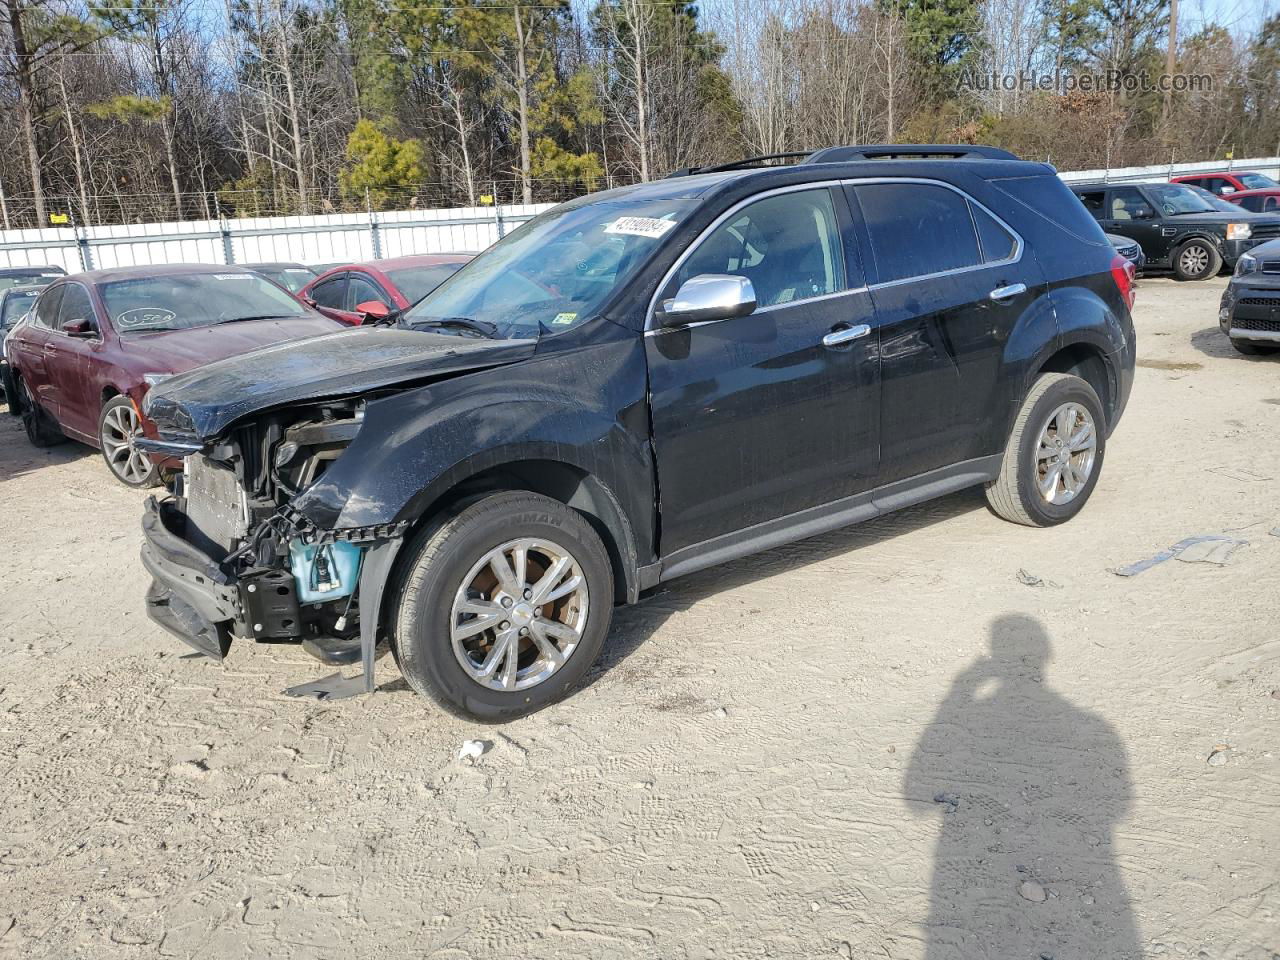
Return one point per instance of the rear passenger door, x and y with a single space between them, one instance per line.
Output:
30 344
949 281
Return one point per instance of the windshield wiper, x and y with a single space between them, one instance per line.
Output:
481 328
262 316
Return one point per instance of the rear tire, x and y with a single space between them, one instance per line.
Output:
40 427
452 585
1196 260
1046 478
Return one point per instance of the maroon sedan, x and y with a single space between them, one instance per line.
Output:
371 291
96 342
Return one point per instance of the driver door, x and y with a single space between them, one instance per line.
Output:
1130 214
754 418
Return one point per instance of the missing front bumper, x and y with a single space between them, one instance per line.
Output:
190 595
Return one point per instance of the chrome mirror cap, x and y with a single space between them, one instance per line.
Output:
709 296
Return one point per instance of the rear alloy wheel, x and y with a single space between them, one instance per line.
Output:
504 607
41 430
1197 260
1054 454
118 429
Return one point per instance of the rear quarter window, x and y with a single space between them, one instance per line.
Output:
1050 199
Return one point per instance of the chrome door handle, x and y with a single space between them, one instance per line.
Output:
845 334
1004 293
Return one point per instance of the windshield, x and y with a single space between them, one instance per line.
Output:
292 279
416 282
1256 181
15 307
184 301
1174 199
556 271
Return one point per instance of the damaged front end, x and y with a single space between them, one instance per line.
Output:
230 557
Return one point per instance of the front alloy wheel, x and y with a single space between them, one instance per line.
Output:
519 614
503 606
118 429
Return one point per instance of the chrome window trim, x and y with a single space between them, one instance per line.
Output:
649 327
1019 246
97 323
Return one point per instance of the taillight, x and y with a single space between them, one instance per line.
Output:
1123 273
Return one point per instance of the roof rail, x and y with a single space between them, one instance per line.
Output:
892 151
738 164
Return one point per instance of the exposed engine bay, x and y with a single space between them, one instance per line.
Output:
232 502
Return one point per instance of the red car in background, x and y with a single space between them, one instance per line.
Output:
1226 183
1265 200
94 343
393 285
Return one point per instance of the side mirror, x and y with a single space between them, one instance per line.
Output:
78 328
309 301
709 296
373 310
1227 189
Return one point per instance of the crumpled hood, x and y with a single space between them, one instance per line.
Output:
201 404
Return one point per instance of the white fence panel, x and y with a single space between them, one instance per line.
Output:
327 238
1165 171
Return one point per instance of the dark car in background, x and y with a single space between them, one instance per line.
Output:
292 276
1131 250
380 287
1178 229
15 303
21 276
1250 309
1225 183
95 343
633 386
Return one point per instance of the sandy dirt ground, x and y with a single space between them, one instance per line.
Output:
936 735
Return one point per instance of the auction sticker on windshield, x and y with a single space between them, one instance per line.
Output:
640 226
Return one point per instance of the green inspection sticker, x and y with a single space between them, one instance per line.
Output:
562 318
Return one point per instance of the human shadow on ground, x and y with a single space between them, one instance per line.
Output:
1027 789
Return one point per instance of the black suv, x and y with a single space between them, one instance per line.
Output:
633 386
1178 227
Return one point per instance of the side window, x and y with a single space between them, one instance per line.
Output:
76 305
1128 204
1094 202
1270 204
997 242
1195 182
789 247
47 307
330 293
361 290
917 229
1216 185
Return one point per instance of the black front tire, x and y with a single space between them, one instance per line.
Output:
1196 260
1014 494
439 560
40 427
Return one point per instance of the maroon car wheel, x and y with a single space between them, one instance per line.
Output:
118 428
